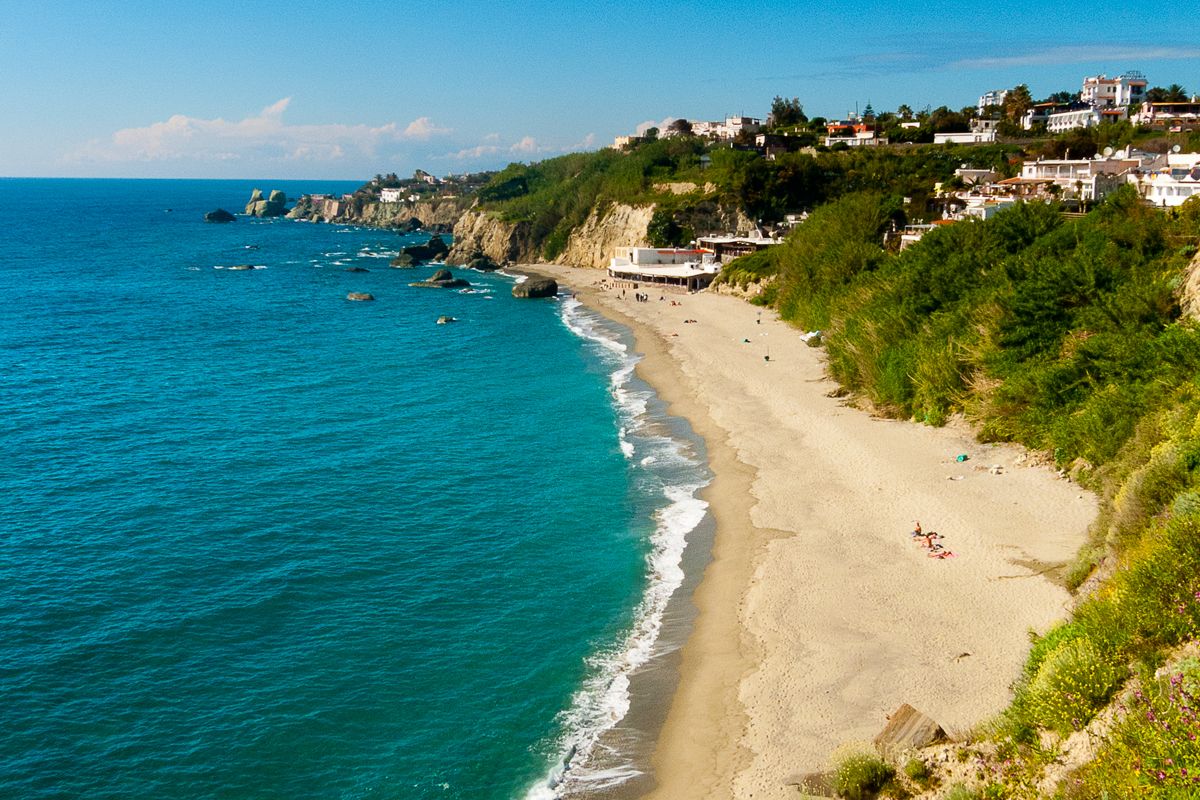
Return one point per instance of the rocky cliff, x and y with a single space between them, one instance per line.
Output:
1189 290
592 243
437 214
484 233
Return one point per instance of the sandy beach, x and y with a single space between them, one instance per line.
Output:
819 615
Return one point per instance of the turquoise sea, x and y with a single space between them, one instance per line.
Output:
257 541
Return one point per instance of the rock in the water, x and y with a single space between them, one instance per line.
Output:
444 320
482 263
220 215
432 250
536 287
241 267
403 261
360 296
442 279
270 207
357 269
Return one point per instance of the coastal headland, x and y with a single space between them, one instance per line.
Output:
819 614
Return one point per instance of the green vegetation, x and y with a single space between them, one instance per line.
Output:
1154 750
861 775
557 195
1066 336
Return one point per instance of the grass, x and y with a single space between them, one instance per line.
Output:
859 776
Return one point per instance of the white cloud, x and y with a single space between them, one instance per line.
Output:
478 151
527 145
1078 54
423 128
641 129
492 145
264 135
586 143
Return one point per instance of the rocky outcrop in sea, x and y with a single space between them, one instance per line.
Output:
442 279
536 287
273 206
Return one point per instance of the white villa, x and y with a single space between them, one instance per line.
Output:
993 98
1170 114
1087 179
1171 181
1064 121
391 195
1100 91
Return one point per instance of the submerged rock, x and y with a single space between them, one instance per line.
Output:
220 215
357 269
403 261
360 297
442 279
241 267
445 320
536 287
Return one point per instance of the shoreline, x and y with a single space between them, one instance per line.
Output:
817 616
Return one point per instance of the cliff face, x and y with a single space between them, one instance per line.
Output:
1189 290
438 214
592 243
480 232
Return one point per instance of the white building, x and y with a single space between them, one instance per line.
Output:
1100 91
735 125
976 176
1169 114
1087 179
983 208
625 142
966 137
690 269
993 98
1063 121
391 195
1171 181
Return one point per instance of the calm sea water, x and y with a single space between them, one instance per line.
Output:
257 541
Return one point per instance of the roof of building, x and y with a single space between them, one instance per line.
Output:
660 271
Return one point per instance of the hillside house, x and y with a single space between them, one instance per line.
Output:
993 98
1100 91
391 195
727 248
1169 115
855 132
1089 117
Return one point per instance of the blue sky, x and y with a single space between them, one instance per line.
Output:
304 89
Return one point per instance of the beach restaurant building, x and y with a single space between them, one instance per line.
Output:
683 268
727 248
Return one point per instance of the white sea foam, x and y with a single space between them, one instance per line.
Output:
604 699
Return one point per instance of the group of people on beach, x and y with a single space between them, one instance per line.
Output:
930 542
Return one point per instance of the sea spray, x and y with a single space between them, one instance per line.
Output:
662 458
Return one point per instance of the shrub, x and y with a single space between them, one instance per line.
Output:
1070 684
961 791
917 770
860 775
1152 751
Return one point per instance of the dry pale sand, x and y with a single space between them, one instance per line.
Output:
819 615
